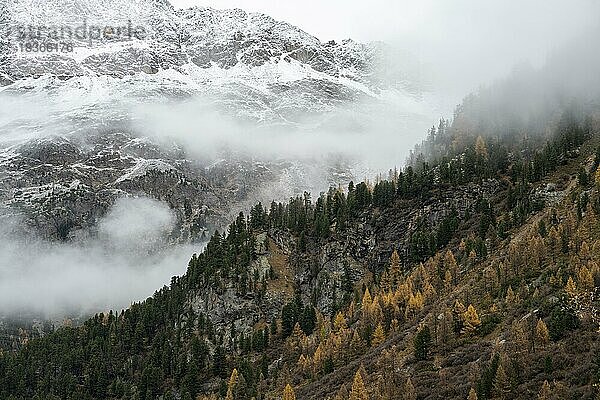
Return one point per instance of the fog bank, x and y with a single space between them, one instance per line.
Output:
105 270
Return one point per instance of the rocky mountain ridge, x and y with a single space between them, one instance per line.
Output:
72 139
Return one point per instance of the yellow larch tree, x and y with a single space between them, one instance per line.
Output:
394 325
296 342
233 381
376 313
395 274
480 147
448 281
357 344
585 279
570 287
319 359
386 282
342 394
536 252
358 392
450 263
415 303
378 336
510 296
462 246
541 333
584 251
429 291
472 257
459 308
288 393
472 394
365 305
545 392
554 239
471 320
339 324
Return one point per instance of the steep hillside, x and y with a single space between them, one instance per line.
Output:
518 322
474 276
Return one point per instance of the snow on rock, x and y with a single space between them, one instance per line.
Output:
142 167
70 141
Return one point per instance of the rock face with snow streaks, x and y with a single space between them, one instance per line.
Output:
71 144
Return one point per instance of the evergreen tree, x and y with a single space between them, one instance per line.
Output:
219 362
501 382
422 342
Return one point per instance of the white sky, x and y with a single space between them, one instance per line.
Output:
479 40
380 19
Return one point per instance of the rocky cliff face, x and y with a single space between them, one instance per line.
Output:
71 144
240 58
360 252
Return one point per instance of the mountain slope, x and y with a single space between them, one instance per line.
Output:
125 115
471 273
425 285
242 59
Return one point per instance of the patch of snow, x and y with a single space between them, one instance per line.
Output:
142 167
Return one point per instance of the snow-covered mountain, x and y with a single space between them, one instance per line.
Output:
70 143
242 59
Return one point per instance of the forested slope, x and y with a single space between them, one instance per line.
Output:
473 272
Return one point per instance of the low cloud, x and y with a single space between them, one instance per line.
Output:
377 135
135 224
107 270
